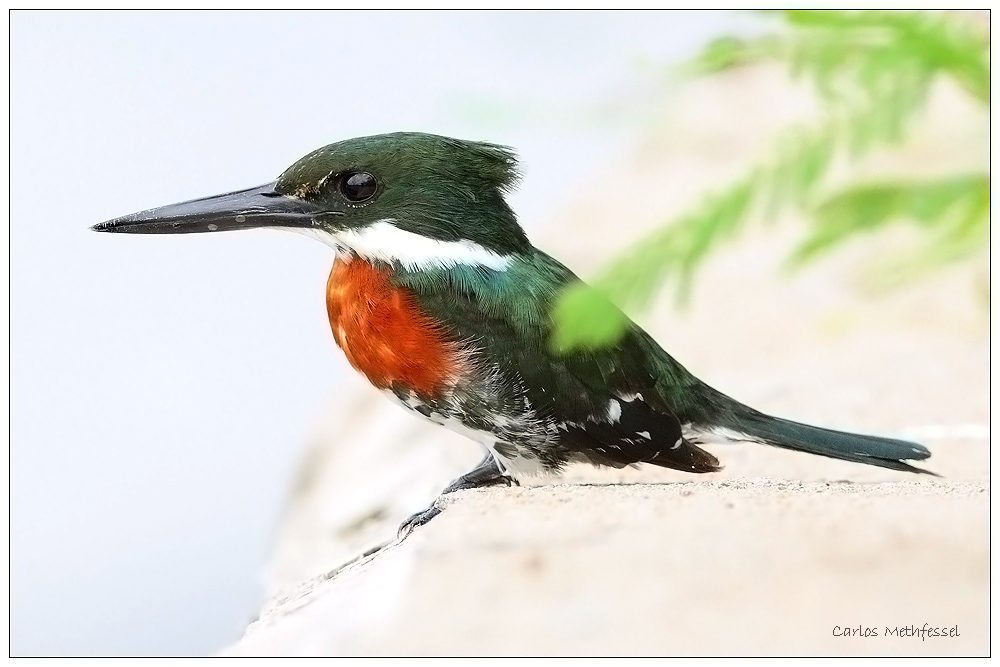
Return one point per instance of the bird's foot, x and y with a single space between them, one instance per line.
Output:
487 473
417 520
460 484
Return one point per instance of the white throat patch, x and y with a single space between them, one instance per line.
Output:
386 242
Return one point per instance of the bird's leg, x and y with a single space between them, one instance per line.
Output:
487 473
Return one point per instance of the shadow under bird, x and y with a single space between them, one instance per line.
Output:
439 299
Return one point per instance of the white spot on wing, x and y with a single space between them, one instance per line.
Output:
717 435
614 411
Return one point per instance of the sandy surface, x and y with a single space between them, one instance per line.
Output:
769 556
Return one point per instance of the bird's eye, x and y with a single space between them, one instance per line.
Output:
358 186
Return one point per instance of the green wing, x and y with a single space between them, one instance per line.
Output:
608 405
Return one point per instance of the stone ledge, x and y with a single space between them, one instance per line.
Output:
742 566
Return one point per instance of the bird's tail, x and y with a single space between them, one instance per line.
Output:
747 423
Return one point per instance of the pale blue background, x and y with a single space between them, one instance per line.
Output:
164 388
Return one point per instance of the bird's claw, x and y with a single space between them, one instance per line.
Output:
417 520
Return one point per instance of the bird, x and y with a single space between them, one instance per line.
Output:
439 299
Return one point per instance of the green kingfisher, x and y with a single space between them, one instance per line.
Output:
438 298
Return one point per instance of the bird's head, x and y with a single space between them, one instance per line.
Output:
408 198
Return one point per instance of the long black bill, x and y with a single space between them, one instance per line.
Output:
244 209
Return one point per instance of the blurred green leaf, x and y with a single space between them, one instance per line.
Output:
721 54
586 319
873 69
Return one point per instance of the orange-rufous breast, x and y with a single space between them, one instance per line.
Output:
385 335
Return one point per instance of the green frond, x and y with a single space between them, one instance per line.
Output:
955 209
873 70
